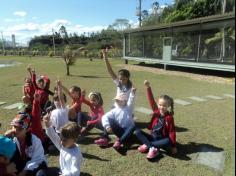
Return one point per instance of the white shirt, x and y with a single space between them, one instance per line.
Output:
121 89
35 152
123 116
59 118
70 158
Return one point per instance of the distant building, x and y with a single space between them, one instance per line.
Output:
13 41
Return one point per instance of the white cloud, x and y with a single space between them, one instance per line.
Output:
25 31
20 13
25 27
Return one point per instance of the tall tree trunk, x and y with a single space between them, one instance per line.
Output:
67 70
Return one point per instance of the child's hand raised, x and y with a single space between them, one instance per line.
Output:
133 90
58 82
29 68
37 96
147 83
46 120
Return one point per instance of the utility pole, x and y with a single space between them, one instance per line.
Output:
223 32
54 50
139 12
3 48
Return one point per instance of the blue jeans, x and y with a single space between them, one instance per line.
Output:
151 140
122 133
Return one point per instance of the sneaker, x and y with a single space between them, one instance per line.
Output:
143 148
117 145
153 152
102 142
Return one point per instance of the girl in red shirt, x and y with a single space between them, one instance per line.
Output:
94 117
162 127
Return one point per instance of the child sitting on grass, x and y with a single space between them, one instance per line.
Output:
7 150
162 127
28 91
75 109
119 120
121 79
29 158
94 117
70 154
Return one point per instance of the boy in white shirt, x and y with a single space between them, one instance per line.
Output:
70 154
119 120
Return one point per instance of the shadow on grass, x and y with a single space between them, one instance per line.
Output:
180 129
89 156
54 171
88 76
186 149
85 174
85 140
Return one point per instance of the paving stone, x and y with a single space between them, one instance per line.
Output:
229 95
144 110
214 97
197 99
13 106
2 103
211 158
182 102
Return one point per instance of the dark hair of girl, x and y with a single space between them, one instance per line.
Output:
124 72
76 89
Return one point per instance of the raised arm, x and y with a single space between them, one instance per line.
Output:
131 100
51 132
108 65
85 101
150 95
60 94
66 90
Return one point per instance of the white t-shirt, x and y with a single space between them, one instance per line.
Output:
59 118
70 158
121 89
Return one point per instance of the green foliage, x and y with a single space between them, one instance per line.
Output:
68 56
50 53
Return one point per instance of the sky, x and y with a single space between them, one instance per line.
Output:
28 18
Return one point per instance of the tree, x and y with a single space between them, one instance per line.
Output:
144 14
64 34
69 58
121 24
155 7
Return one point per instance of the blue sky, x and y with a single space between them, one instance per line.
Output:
27 18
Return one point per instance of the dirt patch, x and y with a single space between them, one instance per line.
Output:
208 78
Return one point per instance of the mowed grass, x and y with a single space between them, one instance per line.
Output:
201 124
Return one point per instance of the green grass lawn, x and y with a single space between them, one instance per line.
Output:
210 123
